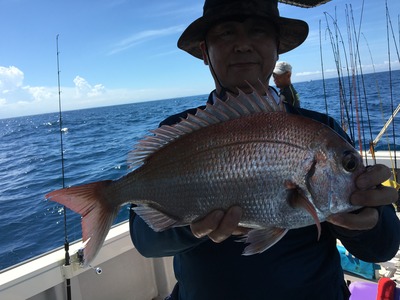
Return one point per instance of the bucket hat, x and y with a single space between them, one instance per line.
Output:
292 32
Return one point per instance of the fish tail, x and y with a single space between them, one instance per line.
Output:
90 201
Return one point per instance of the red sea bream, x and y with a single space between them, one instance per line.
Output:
285 171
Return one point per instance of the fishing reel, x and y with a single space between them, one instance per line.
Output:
81 260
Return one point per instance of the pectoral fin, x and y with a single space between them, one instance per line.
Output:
297 199
260 240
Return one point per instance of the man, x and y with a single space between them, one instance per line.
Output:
240 40
282 77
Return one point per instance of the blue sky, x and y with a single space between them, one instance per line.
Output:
121 51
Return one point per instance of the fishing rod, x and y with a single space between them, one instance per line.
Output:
389 20
353 81
357 76
345 117
392 183
67 265
335 53
322 70
66 243
371 145
385 127
383 131
357 34
389 24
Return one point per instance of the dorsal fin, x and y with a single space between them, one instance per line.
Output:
221 111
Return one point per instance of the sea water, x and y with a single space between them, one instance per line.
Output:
96 143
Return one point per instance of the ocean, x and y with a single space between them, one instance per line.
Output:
97 142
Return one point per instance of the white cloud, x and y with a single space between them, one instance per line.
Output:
144 36
81 84
20 100
11 78
39 93
307 73
17 99
83 88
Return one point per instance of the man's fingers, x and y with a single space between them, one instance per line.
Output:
381 195
374 175
207 225
227 226
217 225
370 190
366 219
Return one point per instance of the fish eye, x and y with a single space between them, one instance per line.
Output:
350 161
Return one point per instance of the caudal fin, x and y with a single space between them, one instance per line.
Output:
97 214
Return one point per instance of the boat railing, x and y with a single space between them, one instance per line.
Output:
118 272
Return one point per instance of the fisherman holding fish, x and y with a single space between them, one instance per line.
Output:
240 41
248 198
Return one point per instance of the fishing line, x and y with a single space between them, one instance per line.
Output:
394 112
390 80
391 29
353 83
345 117
66 243
322 70
336 59
389 22
372 144
358 57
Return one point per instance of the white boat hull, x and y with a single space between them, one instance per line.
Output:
125 274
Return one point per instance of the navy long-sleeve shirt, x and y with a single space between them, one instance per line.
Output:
298 267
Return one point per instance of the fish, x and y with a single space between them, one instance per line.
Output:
285 171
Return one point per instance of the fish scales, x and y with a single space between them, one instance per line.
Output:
283 170
238 162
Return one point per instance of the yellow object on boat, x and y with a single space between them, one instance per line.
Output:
391 183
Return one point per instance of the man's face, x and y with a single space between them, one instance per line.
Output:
282 80
240 52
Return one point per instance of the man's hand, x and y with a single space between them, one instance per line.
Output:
219 225
370 194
